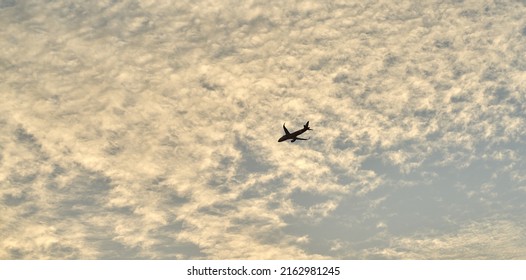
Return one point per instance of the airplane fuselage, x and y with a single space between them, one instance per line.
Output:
292 136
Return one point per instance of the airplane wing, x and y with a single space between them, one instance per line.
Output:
302 138
286 131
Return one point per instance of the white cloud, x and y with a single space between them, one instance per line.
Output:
492 239
124 120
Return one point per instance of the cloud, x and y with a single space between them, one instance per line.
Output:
149 130
491 239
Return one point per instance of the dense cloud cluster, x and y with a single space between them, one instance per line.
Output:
148 129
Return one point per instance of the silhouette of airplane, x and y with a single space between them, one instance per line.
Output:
294 135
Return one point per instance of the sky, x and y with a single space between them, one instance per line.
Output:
148 129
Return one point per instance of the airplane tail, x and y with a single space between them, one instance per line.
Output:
306 126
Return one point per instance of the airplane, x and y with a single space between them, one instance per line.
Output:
294 135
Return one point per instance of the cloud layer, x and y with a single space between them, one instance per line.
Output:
138 129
